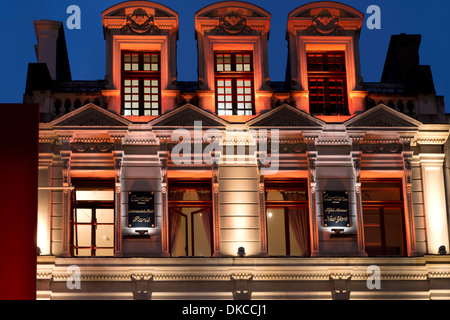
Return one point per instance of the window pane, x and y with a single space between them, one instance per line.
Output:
382 191
84 215
86 195
104 236
84 236
105 215
104 252
83 252
393 224
276 232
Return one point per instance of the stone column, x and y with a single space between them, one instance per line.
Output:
358 203
409 212
314 231
216 210
118 204
262 212
165 250
67 201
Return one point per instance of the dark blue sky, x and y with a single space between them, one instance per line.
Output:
86 47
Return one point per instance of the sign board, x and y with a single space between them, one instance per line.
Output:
141 209
335 209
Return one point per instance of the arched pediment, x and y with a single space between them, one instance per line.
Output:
232 18
336 9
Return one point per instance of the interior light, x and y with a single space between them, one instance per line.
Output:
269 214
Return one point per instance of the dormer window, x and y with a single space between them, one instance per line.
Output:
234 82
327 83
141 83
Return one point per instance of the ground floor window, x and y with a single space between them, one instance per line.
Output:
190 218
92 220
287 219
383 216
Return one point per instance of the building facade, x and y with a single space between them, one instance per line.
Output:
234 186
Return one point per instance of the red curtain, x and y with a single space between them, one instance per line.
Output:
174 223
298 220
207 223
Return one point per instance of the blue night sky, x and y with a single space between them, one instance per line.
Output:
86 47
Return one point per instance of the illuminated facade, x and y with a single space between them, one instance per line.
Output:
152 186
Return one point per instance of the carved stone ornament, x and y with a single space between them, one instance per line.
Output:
325 24
233 23
89 147
140 22
381 148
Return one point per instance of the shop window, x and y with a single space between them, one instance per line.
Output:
92 220
141 83
327 83
383 216
190 219
234 83
287 219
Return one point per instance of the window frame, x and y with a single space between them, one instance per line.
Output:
287 204
327 76
141 75
200 204
234 76
381 205
93 205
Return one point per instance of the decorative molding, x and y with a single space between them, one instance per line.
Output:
140 22
92 147
232 23
325 24
381 148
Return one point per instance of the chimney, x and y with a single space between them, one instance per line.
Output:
51 48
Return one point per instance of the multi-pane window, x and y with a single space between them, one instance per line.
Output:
141 79
190 218
327 83
234 83
287 218
383 217
93 219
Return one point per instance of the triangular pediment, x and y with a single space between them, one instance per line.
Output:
382 116
90 115
285 116
186 116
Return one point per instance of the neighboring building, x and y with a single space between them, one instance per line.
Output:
315 178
